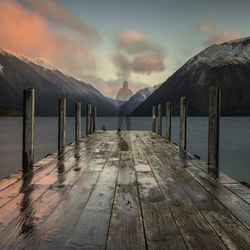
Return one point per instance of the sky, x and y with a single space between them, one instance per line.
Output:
105 42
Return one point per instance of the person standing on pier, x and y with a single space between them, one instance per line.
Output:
123 95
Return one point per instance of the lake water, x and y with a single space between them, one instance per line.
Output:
234 140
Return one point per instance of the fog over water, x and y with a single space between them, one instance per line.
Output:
234 140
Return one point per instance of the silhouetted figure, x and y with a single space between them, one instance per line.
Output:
103 127
123 95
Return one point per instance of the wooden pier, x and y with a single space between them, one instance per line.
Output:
130 191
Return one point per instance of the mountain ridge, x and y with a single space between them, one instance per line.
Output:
226 65
18 73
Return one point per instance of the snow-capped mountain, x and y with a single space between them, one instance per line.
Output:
139 97
18 73
226 65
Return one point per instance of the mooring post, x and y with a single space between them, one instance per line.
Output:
159 120
214 129
91 120
153 120
168 120
78 117
183 124
88 114
62 125
94 118
28 129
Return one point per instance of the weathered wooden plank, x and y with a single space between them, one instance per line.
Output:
229 229
92 227
153 198
240 190
126 228
232 202
12 190
57 229
228 238
34 186
42 207
195 230
175 165
29 215
160 228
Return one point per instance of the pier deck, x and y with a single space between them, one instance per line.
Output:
134 191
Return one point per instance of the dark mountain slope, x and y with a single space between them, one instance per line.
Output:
226 65
18 73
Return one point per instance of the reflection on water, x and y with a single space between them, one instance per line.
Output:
77 156
234 140
61 169
25 225
26 209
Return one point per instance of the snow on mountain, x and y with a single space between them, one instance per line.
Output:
233 52
139 97
1 69
226 65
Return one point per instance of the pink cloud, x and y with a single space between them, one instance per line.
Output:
222 37
57 13
28 33
136 53
148 64
133 42
205 26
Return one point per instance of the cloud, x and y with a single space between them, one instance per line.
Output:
28 33
222 37
205 27
136 54
133 42
148 64
57 13
122 64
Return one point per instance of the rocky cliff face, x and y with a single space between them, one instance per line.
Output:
226 65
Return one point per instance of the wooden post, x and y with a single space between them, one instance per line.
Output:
153 120
94 118
214 127
62 125
168 120
183 123
28 130
159 120
88 113
91 119
78 116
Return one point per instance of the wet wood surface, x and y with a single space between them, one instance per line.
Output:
132 190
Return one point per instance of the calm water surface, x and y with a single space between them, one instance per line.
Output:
234 140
